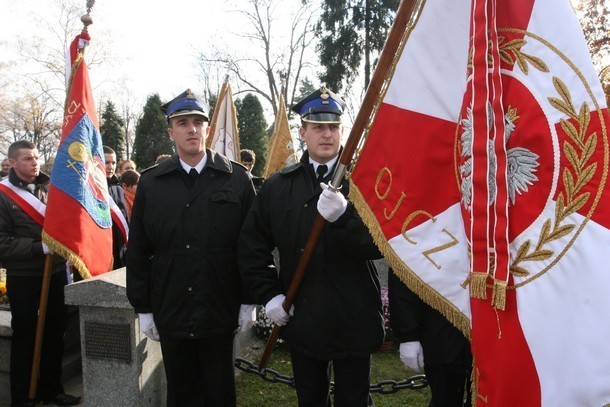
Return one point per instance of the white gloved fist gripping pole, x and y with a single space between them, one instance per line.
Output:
275 311
332 204
148 327
247 316
412 355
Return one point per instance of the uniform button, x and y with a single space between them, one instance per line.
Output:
188 246
302 249
306 205
190 288
187 205
191 334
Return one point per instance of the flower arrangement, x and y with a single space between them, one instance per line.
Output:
263 325
3 296
385 306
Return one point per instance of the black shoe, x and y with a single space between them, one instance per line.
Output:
63 399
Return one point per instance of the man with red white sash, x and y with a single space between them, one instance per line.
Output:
23 196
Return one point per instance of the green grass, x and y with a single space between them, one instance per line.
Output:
253 391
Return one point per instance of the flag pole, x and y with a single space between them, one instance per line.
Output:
378 81
42 315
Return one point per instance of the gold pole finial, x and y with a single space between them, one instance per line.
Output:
86 19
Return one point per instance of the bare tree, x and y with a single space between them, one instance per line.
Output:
594 16
275 58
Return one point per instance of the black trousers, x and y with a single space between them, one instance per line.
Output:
450 386
312 381
24 295
200 372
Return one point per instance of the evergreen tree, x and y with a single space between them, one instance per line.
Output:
252 127
112 131
350 30
151 134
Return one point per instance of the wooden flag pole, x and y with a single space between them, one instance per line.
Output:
386 59
42 315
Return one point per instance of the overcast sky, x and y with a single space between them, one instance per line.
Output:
154 42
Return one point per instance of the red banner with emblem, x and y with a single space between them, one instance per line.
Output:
78 223
483 179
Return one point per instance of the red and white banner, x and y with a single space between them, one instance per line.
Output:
484 180
224 137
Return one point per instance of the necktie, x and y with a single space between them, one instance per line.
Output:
321 171
193 174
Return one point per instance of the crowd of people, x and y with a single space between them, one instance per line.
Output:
204 234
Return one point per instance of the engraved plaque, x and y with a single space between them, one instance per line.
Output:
108 341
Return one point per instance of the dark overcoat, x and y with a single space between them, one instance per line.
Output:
338 307
181 257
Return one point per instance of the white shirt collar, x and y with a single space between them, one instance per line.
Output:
198 167
329 164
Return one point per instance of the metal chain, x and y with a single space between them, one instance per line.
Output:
383 387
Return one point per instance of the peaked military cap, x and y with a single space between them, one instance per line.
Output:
186 103
322 106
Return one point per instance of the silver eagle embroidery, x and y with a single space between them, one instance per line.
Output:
522 163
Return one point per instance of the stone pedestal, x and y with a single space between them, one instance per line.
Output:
120 365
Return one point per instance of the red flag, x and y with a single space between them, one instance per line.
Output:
78 223
484 179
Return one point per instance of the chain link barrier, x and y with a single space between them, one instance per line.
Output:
383 387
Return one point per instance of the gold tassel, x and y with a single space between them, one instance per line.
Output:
478 285
498 298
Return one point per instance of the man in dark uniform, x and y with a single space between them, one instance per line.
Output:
22 252
182 275
429 342
118 196
337 314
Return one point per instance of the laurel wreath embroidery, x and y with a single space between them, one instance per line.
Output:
574 178
511 53
578 156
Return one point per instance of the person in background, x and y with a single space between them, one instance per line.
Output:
129 182
125 165
22 252
117 193
162 158
182 275
429 342
5 168
336 321
248 159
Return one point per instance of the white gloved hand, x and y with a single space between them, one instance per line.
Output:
331 205
247 316
275 312
45 248
148 327
412 355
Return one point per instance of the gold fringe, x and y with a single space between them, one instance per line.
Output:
428 294
67 254
478 285
498 297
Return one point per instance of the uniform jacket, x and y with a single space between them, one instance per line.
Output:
181 259
20 236
118 242
338 307
413 320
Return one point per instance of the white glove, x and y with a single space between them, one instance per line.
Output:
412 355
331 205
45 248
247 316
148 327
275 312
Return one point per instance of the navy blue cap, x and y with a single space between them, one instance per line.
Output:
322 106
185 103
